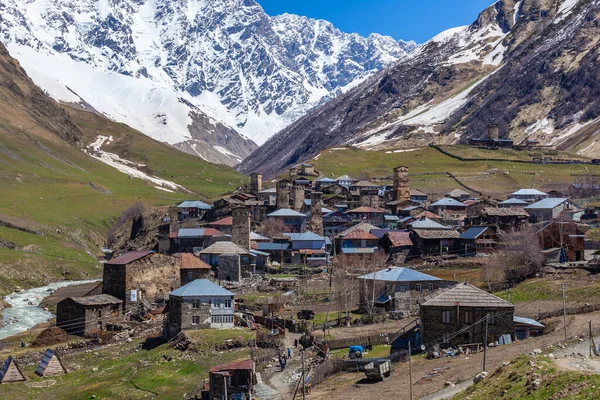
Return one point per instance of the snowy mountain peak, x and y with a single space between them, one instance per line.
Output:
224 59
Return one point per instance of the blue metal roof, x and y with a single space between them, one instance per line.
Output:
473 232
326 180
379 232
194 204
527 321
286 212
258 252
448 202
546 204
304 236
358 250
272 246
406 219
528 192
201 287
190 233
399 274
411 208
513 200
327 240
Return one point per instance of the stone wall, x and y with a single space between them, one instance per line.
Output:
255 183
434 330
315 224
283 194
369 198
297 197
230 268
401 184
240 230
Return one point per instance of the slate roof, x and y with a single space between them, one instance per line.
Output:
411 208
466 296
458 193
190 261
399 239
528 192
359 234
505 212
224 248
448 202
546 204
363 226
437 233
194 204
473 232
201 287
97 300
128 258
227 221
513 201
191 233
286 212
303 236
365 184
399 274
426 223
366 210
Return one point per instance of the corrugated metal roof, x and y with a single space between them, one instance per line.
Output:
365 184
97 300
258 252
513 201
426 223
448 202
190 233
326 180
256 236
528 192
473 232
527 321
286 212
358 250
128 258
243 365
227 221
505 212
399 239
194 204
391 218
272 246
399 274
363 226
303 236
458 193
224 248
546 204
466 295
428 214
201 287
379 232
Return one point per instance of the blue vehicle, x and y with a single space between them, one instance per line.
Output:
355 352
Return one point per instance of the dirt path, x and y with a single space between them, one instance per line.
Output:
348 386
276 384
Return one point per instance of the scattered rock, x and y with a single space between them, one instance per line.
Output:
480 376
531 363
536 351
95 369
448 384
506 363
551 355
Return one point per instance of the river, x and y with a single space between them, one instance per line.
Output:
25 312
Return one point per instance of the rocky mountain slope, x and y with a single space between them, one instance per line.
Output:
209 76
530 66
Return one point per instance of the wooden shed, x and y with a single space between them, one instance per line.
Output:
51 365
10 371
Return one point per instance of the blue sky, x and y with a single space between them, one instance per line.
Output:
417 20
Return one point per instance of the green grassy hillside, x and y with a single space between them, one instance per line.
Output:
429 167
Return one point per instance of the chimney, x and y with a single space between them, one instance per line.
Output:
283 194
240 230
401 184
255 183
316 216
297 197
493 132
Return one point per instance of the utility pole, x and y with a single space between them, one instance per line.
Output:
591 338
509 295
487 318
303 379
225 385
410 370
564 311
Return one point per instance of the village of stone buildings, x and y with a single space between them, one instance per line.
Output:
335 275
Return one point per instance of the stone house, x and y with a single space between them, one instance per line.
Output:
398 289
192 209
224 224
465 307
87 316
335 222
200 304
505 218
345 180
369 215
474 207
552 208
397 244
306 240
417 196
335 189
192 268
458 194
192 240
449 209
294 221
478 239
324 182
216 255
236 380
140 277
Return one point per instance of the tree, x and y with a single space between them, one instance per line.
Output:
273 227
133 213
520 254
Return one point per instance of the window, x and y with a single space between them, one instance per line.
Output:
492 317
196 303
227 303
418 287
195 320
445 317
213 304
430 287
468 317
402 289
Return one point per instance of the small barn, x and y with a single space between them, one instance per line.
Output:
50 365
87 315
236 380
527 327
10 371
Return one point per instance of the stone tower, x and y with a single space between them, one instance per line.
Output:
315 223
297 197
255 183
283 194
369 198
240 230
401 184
493 132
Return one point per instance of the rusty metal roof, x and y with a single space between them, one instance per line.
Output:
190 261
245 364
128 258
399 238
227 221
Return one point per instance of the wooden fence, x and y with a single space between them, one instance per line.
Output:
372 340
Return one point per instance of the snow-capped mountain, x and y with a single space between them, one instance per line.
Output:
530 66
193 73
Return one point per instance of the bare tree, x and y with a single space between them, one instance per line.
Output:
520 254
273 227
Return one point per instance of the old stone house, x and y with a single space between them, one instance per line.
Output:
200 304
192 209
235 380
359 242
397 289
449 209
140 277
431 238
228 259
464 308
369 215
459 195
192 268
87 316
224 224
529 195
293 221
397 244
